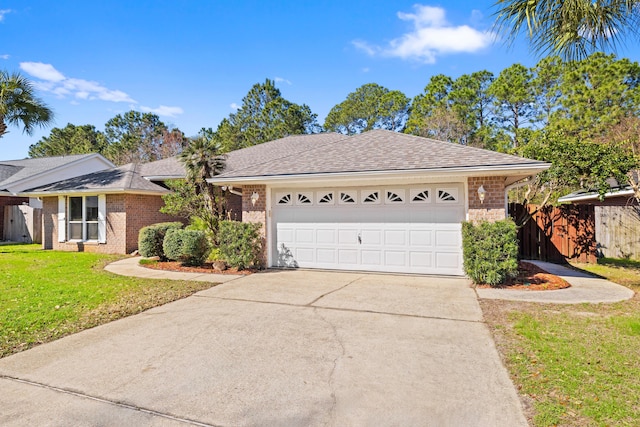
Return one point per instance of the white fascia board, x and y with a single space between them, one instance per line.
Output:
17 186
594 196
92 191
163 177
364 177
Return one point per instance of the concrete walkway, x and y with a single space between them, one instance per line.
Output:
131 267
585 288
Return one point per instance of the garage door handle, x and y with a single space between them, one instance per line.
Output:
359 238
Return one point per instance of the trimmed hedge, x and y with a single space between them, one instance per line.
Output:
240 244
150 239
191 247
490 251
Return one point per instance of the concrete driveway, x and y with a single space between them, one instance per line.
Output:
281 348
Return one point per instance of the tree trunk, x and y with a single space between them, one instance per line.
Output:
3 127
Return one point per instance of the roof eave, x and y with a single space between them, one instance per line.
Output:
93 191
593 196
503 170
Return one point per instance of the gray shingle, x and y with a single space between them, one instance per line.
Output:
376 150
123 178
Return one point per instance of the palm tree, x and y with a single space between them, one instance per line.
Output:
571 29
202 160
19 106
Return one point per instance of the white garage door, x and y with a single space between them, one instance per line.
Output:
412 229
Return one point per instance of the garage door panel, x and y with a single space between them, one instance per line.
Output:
448 238
395 237
348 256
371 236
447 260
347 236
326 236
408 237
395 258
421 238
305 255
326 256
421 259
304 235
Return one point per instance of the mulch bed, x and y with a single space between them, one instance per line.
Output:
532 278
207 267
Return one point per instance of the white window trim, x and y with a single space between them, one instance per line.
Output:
64 224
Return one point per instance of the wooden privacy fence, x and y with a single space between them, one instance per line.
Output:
22 223
618 231
557 234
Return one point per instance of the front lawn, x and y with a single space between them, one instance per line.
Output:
45 295
574 365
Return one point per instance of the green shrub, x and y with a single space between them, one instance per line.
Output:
190 247
150 238
240 244
490 251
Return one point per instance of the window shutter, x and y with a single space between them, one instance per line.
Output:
102 218
62 219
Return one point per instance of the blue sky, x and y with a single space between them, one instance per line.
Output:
191 62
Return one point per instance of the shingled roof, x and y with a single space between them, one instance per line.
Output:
123 179
373 151
12 171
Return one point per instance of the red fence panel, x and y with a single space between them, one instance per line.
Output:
557 234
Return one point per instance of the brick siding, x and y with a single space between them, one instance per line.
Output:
256 214
9 201
493 208
126 215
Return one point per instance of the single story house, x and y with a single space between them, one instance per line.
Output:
377 201
16 176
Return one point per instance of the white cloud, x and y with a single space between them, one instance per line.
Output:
5 56
42 71
281 80
163 110
3 12
234 106
431 36
57 83
366 70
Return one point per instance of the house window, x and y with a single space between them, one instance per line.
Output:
83 218
325 198
419 195
347 197
304 199
284 198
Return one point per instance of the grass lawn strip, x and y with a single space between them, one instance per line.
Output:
574 365
45 295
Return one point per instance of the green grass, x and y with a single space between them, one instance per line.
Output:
577 365
45 295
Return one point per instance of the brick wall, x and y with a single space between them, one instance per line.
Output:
493 208
256 214
126 215
142 210
9 201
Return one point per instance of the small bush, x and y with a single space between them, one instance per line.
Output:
240 244
150 239
490 251
190 247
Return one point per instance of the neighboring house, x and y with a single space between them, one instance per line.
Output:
100 212
19 175
378 201
616 220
